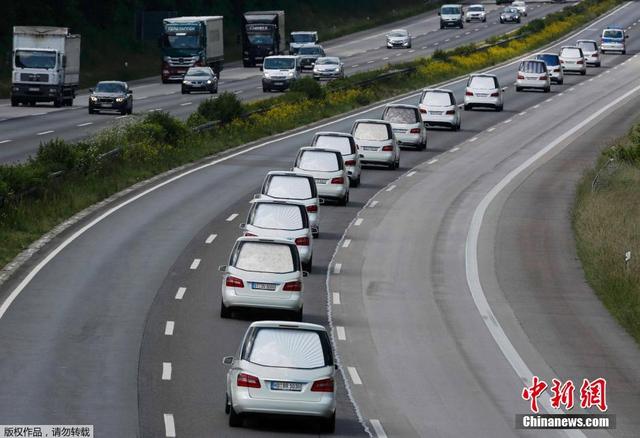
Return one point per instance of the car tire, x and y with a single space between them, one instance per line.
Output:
227 405
124 111
265 89
518 89
467 107
58 102
423 145
561 81
14 101
624 52
315 234
499 108
519 21
328 424
235 419
225 312
355 182
547 90
130 110
582 73
92 111
344 201
308 266
501 21
297 315
456 127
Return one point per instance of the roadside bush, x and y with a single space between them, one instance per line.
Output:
174 130
196 119
56 155
144 132
225 108
310 87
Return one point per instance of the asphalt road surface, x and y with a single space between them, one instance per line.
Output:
98 312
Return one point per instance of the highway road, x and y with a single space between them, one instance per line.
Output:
23 128
97 313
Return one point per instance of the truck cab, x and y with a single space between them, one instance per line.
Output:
262 35
301 38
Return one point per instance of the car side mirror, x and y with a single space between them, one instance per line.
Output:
305 274
262 68
321 201
90 90
438 13
242 226
256 196
129 91
227 360
222 268
361 155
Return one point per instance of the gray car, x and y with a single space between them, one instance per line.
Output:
329 67
308 55
510 15
200 79
111 96
399 39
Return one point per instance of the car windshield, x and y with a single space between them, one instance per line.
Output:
197 72
289 348
335 142
289 187
35 59
398 33
279 63
612 34
437 98
328 61
303 38
400 115
476 8
550 60
181 41
450 11
260 39
109 87
371 131
276 216
318 161
275 258
310 51
483 83
532 67
571 52
510 11
588 46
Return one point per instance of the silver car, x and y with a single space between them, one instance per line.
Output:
533 73
262 273
483 90
346 144
291 186
327 168
439 108
521 6
554 67
328 67
591 52
377 143
282 220
475 13
399 39
406 124
285 369
572 60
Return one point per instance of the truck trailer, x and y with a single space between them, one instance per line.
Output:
263 35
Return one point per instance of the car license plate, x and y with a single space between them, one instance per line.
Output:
263 286
34 88
278 83
402 131
436 113
369 148
286 386
321 180
106 105
481 95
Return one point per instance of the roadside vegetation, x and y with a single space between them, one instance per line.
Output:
64 178
606 221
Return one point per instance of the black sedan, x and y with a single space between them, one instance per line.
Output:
111 96
200 79
510 15
309 54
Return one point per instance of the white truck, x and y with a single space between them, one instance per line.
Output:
46 65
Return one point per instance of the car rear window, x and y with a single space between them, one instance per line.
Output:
371 131
400 115
476 8
264 257
318 161
483 83
290 348
612 34
588 46
437 98
289 187
550 60
532 67
276 216
571 52
335 142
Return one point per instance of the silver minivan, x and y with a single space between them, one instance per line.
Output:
438 107
377 143
327 168
406 124
346 144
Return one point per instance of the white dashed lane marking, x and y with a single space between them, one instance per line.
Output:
355 377
211 238
336 298
195 264
84 124
168 328
232 217
391 187
337 268
180 293
346 243
358 222
433 161
169 426
45 132
373 204
166 370
377 428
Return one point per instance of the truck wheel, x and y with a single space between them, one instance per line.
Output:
58 102
14 101
92 111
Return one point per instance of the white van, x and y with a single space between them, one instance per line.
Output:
280 72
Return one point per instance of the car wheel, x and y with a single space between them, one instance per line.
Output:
315 234
58 103
467 107
225 312
547 89
184 91
423 145
561 81
14 101
227 405
308 266
92 111
518 89
501 21
624 52
499 108
344 201
582 73
355 182
265 89
297 315
329 424
519 20
130 111
235 419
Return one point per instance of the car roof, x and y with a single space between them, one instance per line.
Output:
476 5
282 56
402 105
286 173
113 82
333 134
311 148
546 54
457 5
437 90
377 121
265 240
399 30
586 41
329 57
288 325
300 32
532 60
283 201
482 75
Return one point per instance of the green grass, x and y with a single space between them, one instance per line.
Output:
606 223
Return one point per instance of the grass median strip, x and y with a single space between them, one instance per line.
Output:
607 229
64 178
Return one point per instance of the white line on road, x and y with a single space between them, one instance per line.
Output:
447 40
195 264
142 98
399 54
471 140
38 114
337 268
522 113
377 428
435 44
239 91
168 328
549 99
45 132
355 377
493 128
467 33
456 149
122 117
232 217
336 298
536 106
385 58
346 243
561 94
424 47
413 172
166 370
358 222
457 36
169 426
211 238
590 80
370 62
507 121
411 51
355 66
4 141
572 88
391 187
189 103
180 293
342 335
435 160
373 204
84 124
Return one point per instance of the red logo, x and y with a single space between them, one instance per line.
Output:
533 392
592 393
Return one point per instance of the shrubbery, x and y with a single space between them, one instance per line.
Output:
225 108
309 87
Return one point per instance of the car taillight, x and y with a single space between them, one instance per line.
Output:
338 180
302 241
451 112
468 93
495 94
292 286
580 61
415 131
247 234
248 381
234 282
423 110
520 76
324 385
313 208
387 148
561 61
543 78
350 163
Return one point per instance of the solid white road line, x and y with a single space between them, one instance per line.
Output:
374 203
195 264
337 268
4 141
84 124
370 62
377 428
471 140
507 121
169 426
211 238
346 243
232 217
456 149
122 117
342 335
493 128
168 328
355 377
186 103
180 293
391 187
45 132
355 66
358 222
433 161
522 113
410 174
336 298
166 370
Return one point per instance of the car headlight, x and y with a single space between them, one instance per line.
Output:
267 75
186 82
166 59
270 52
93 99
120 99
289 74
209 81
